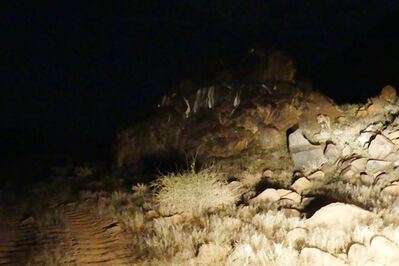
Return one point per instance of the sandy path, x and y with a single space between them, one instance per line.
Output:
82 239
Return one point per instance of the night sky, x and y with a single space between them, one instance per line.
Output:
74 75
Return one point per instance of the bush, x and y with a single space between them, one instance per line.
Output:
191 191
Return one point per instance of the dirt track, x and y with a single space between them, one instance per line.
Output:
81 239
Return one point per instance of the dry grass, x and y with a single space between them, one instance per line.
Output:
194 192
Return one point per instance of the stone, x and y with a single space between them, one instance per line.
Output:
359 254
346 151
283 192
384 251
270 195
338 215
393 157
301 185
367 179
392 190
354 170
332 153
359 165
293 196
393 135
366 135
378 165
318 175
388 93
305 155
314 256
380 147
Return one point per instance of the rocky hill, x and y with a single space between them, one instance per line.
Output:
272 173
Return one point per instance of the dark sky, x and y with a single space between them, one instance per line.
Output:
75 74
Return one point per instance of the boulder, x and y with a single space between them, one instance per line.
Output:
355 168
381 147
358 254
367 179
384 251
338 215
366 135
283 192
301 185
305 155
332 153
393 135
314 256
346 151
270 195
318 175
292 197
392 190
378 165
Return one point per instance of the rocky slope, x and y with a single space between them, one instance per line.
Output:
279 175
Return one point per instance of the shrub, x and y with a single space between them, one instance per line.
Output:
191 191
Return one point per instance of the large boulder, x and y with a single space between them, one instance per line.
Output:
338 215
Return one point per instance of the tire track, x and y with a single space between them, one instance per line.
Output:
96 241
82 239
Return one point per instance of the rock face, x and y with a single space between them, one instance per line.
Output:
305 155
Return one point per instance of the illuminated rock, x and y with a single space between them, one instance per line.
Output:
353 171
305 155
366 135
359 254
314 256
380 147
301 185
384 251
292 197
270 195
367 179
338 215
332 153
318 175
346 151
392 190
378 165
